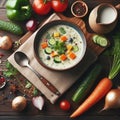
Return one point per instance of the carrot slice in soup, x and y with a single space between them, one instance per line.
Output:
63 38
44 45
72 55
63 57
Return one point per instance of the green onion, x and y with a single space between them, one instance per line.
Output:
115 69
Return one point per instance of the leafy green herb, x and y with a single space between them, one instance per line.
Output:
28 85
62 30
60 47
115 69
11 71
48 36
35 92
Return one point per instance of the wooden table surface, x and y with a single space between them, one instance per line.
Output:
53 112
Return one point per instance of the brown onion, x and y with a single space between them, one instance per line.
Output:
5 43
19 103
112 99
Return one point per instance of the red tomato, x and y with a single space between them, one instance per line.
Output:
65 105
41 7
59 5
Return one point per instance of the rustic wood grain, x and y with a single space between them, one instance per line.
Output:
2 3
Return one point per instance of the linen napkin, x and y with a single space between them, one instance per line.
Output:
62 80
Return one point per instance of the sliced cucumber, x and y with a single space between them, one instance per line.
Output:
75 48
57 59
48 50
52 41
102 41
95 38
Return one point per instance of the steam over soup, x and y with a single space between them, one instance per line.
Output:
61 47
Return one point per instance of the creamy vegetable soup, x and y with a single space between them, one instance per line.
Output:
61 47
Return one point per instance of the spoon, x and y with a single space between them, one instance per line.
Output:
22 60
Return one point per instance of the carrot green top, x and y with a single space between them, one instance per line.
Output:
115 69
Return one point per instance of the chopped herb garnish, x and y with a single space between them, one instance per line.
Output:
11 71
62 30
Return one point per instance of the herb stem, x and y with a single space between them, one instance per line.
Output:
115 69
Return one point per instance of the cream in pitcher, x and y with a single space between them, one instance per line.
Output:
103 18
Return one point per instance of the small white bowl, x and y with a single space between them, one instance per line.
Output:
79 9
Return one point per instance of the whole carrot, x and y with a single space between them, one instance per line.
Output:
98 93
105 84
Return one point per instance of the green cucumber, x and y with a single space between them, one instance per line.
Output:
101 41
52 41
75 48
11 27
57 59
48 50
95 38
87 84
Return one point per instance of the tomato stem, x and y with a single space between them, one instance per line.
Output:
62 1
45 1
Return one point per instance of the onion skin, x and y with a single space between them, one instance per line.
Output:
112 99
19 103
5 43
31 25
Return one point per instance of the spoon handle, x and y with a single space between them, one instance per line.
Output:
51 87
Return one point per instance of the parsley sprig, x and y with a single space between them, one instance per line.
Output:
11 71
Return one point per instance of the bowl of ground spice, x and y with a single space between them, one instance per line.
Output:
79 9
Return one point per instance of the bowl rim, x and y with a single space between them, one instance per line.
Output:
79 1
57 22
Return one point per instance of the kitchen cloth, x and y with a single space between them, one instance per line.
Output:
62 80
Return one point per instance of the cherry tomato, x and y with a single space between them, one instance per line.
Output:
59 5
41 7
65 105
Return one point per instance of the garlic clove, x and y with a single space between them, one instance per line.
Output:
38 102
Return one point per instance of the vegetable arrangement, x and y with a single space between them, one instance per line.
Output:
59 47
87 84
105 84
20 10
